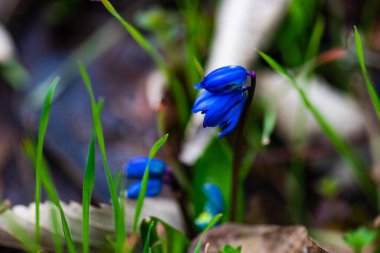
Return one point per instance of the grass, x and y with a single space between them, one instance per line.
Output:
144 181
45 115
371 89
88 184
355 163
96 109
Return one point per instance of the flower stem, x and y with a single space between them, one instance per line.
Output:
239 148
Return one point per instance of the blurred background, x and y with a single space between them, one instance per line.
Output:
293 174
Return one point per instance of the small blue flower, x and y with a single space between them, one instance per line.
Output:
224 97
136 167
135 170
213 206
154 188
224 80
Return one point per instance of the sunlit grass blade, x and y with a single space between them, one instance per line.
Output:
209 226
16 230
58 247
371 89
53 196
198 67
45 115
269 124
147 240
47 182
88 184
96 109
144 181
344 149
174 84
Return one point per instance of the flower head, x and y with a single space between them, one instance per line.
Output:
135 170
224 97
224 80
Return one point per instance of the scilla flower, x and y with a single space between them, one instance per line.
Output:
224 97
214 205
135 170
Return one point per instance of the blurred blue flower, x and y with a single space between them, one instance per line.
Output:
135 170
214 205
136 167
154 188
224 80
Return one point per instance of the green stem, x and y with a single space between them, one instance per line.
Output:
238 149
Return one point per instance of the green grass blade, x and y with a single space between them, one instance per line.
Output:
48 185
371 90
344 149
96 109
88 184
53 196
315 40
147 240
210 225
144 181
58 247
198 67
174 84
269 124
45 115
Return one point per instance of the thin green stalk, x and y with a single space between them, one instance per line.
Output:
371 89
45 115
238 148
96 109
174 84
355 163
88 184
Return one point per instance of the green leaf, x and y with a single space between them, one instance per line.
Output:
147 240
209 226
96 109
45 115
371 90
355 163
88 184
173 240
229 249
359 238
144 181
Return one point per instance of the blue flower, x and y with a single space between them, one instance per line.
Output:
224 80
136 167
135 170
224 97
213 206
154 188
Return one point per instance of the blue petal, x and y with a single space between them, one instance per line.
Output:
225 79
154 188
214 202
232 119
204 101
221 108
136 167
